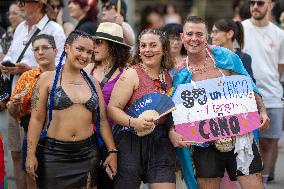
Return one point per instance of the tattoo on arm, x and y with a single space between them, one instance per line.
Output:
35 97
29 146
259 103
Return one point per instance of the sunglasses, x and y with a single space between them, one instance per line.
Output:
108 6
98 42
258 3
56 6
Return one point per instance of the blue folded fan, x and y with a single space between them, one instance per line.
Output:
154 104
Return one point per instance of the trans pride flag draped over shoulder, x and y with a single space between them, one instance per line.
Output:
224 59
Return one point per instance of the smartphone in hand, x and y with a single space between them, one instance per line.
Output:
8 64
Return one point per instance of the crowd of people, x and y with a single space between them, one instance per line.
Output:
66 91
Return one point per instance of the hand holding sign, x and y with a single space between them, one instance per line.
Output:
265 121
177 139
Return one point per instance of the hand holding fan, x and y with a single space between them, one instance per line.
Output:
151 105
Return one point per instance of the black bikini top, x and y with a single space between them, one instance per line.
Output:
62 101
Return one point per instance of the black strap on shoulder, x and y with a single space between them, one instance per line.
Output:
108 76
28 43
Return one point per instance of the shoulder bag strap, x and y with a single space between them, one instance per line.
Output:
28 43
108 76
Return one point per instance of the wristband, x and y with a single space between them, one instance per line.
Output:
112 151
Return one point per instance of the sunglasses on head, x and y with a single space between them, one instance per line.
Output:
258 3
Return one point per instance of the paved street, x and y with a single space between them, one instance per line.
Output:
277 184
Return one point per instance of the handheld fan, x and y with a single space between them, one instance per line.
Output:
152 104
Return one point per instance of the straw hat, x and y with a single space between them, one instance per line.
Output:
111 32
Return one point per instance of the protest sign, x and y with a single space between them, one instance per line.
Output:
215 108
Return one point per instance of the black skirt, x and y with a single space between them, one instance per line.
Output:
63 165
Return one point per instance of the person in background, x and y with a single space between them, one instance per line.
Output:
15 18
110 14
62 148
264 42
151 18
149 158
111 58
56 14
35 16
278 14
224 33
236 6
86 12
19 105
176 47
171 15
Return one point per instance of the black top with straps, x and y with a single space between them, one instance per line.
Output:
62 101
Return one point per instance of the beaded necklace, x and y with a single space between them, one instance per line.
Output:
203 68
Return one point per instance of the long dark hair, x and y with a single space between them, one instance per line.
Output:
174 30
120 54
167 59
227 25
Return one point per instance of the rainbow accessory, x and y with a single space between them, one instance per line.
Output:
224 59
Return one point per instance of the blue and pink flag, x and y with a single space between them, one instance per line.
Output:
215 108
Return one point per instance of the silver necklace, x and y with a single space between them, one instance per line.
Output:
203 68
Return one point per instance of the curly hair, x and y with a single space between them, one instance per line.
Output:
120 54
167 59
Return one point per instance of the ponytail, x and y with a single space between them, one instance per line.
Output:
239 34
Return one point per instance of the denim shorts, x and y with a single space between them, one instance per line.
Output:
275 130
150 158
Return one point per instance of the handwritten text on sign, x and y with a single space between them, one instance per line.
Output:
215 108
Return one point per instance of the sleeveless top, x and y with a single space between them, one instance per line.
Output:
107 90
62 101
147 84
